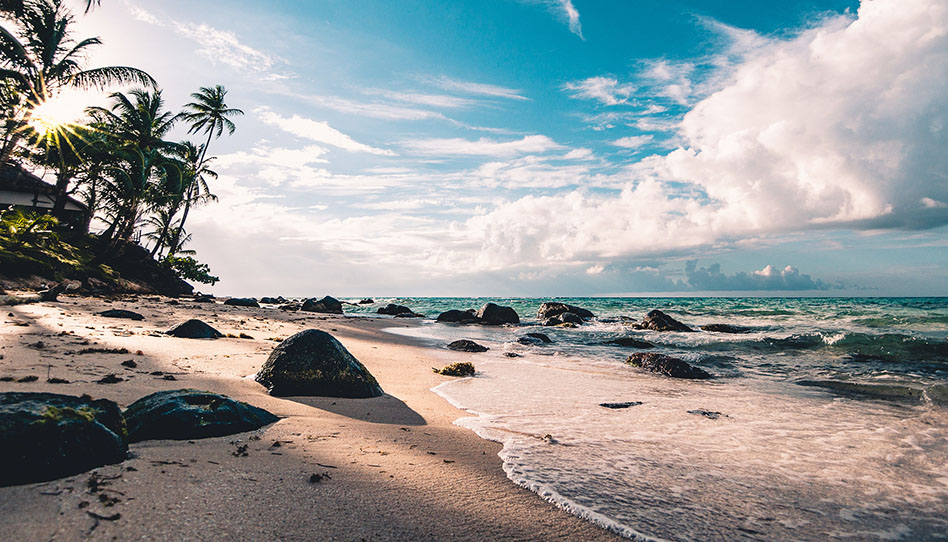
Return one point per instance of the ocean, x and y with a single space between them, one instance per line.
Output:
827 419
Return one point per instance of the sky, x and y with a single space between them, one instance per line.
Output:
562 147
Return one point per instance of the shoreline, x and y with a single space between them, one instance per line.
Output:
398 466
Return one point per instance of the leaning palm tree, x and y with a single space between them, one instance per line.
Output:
195 191
209 114
39 58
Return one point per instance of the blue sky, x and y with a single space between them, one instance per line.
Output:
556 147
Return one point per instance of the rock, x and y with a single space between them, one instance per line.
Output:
495 315
110 378
194 329
52 294
313 362
630 342
130 363
456 369
706 413
465 345
290 307
394 310
273 300
48 436
617 406
242 302
536 339
327 304
121 313
455 316
191 414
552 308
366 301
563 318
725 328
511 354
666 365
657 320
207 298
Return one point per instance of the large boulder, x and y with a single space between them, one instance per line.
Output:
273 300
121 313
657 320
48 436
666 365
191 414
394 310
327 304
496 315
313 362
194 329
464 345
242 302
725 328
455 316
563 318
553 308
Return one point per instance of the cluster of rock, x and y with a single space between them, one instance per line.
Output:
49 436
279 300
242 302
666 365
560 314
490 314
399 311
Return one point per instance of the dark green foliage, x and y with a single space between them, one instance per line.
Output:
188 268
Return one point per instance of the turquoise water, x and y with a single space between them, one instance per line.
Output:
862 455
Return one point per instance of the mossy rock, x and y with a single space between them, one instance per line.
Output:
191 414
48 436
463 368
313 362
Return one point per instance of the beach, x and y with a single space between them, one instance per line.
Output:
389 468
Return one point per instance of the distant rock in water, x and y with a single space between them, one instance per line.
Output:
313 362
191 414
366 301
121 313
273 300
394 310
327 304
464 345
725 328
48 436
495 315
553 308
657 320
616 406
194 329
630 342
666 365
455 316
242 302
564 319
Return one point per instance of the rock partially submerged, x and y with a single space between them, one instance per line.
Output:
564 318
552 308
725 328
48 436
313 362
397 310
630 342
535 339
366 301
455 316
657 320
121 313
456 369
242 302
194 329
496 315
464 345
191 414
327 304
666 365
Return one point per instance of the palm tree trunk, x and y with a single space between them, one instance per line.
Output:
187 201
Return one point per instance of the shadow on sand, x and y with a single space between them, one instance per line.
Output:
385 409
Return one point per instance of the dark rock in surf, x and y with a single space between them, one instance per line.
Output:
534 339
666 365
242 302
194 329
630 342
366 301
327 304
454 316
191 414
725 328
464 345
563 318
553 308
48 436
313 362
657 320
617 406
121 313
394 310
495 315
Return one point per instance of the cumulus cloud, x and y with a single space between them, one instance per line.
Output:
769 278
606 90
482 147
319 131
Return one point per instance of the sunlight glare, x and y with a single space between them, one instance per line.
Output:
57 111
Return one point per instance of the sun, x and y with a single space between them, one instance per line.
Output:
56 112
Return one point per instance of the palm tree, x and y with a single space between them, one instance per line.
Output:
40 58
209 114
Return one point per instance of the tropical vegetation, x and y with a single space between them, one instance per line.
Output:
121 161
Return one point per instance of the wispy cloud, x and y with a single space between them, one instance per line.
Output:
480 89
482 146
633 142
565 11
434 100
606 90
319 131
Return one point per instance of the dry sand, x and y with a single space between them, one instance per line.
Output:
398 469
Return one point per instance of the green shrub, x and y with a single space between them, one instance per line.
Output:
188 268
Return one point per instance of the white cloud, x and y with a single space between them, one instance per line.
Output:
480 89
572 16
319 131
633 142
595 269
433 100
606 90
482 147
